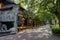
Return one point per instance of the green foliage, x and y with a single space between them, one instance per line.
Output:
56 29
40 10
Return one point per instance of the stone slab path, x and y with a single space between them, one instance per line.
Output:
40 33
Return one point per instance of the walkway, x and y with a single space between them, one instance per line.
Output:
41 33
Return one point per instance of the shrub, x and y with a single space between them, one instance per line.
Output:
55 30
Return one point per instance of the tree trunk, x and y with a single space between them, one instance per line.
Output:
59 21
50 21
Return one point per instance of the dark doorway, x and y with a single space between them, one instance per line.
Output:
8 24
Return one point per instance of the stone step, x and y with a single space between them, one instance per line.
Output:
4 33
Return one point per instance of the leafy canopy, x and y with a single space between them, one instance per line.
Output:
40 9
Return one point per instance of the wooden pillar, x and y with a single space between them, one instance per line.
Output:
29 22
34 23
22 21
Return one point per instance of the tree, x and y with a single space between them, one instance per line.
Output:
57 13
41 7
54 7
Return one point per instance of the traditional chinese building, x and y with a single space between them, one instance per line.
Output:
12 18
8 16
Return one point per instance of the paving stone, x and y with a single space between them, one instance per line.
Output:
41 33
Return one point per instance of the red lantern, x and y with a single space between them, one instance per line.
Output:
1 5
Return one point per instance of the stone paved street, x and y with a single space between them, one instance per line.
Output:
41 33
